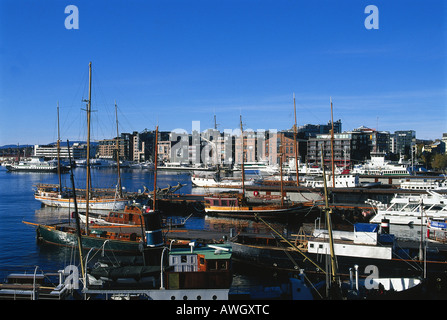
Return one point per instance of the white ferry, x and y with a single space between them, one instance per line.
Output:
36 164
379 166
412 209
423 184
341 181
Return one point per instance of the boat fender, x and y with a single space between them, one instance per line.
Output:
255 193
385 225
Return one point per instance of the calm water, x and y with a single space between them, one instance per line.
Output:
18 247
19 250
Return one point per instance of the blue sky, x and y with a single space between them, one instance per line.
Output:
172 62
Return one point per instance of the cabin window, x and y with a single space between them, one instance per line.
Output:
232 203
183 259
212 265
222 265
225 203
202 261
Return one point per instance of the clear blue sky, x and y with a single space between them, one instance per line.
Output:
173 62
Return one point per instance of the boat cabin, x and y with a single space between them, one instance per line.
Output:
131 215
223 200
200 267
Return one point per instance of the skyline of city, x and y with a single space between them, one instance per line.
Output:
172 63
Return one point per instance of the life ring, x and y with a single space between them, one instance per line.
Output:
255 193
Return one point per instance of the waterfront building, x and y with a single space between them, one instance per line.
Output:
348 147
250 147
143 144
281 144
444 140
378 141
164 151
404 140
107 149
77 151
311 130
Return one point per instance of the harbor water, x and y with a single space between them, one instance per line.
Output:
19 249
20 252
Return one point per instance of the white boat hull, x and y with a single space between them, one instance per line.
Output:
103 204
211 183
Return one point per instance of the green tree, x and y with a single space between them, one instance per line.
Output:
439 161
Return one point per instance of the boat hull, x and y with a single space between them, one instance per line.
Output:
95 204
275 258
251 211
32 169
59 236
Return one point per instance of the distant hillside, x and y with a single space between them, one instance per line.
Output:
11 146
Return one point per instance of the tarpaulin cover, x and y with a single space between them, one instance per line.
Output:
366 227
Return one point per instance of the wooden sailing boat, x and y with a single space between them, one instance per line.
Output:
67 235
143 239
97 199
238 205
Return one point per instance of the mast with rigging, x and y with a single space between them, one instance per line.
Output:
120 190
89 105
59 151
295 144
155 168
332 148
243 158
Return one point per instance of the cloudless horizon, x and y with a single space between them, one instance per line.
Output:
172 62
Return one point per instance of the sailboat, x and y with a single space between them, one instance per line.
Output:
237 205
145 239
98 199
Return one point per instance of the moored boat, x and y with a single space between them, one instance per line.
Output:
413 209
100 199
35 164
236 205
191 273
365 246
227 182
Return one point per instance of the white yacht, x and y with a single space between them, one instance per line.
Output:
423 184
379 166
262 167
341 181
227 182
412 209
36 164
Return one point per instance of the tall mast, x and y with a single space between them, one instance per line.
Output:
328 212
332 147
243 158
78 225
280 170
120 192
155 169
89 106
59 151
295 144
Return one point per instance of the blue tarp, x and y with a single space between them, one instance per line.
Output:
366 227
